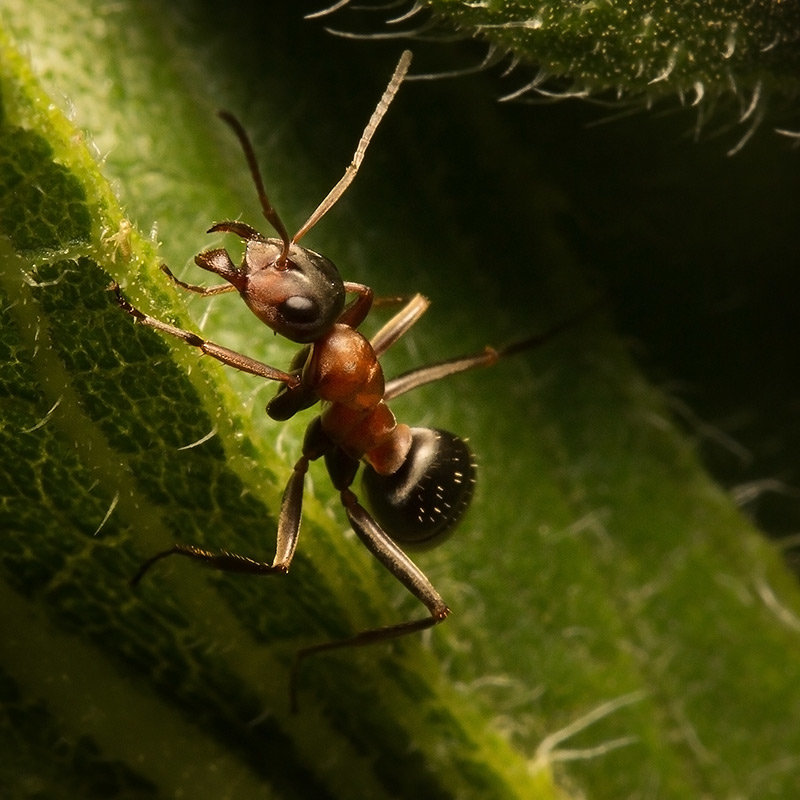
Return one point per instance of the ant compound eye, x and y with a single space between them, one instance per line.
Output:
313 296
421 502
300 298
299 310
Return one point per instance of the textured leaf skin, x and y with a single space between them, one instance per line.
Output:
702 53
599 565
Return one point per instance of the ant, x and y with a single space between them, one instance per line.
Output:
418 481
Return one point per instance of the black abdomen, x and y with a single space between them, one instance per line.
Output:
428 495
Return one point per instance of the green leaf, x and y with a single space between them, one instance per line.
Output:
707 54
618 626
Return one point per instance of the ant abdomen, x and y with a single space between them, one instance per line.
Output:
423 500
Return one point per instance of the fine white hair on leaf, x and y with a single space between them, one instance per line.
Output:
753 104
782 613
515 62
566 94
388 35
548 750
667 71
787 132
777 39
758 118
730 41
489 60
323 12
752 490
415 9
110 511
202 440
43 421
540 78
526 24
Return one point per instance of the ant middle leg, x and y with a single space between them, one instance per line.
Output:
315 445
489 355
288 532
399 324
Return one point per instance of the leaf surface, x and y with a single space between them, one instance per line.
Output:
618 627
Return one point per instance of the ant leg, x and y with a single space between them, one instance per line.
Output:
413 308
223 354
288 531
488 356
399 324
442 369
204 291
391 300
356 312
378 542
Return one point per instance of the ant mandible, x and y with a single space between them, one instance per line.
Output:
419 481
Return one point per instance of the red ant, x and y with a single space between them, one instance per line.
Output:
419 481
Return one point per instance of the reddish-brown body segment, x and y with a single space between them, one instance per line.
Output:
344 372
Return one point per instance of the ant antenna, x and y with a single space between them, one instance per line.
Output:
269 212
383 105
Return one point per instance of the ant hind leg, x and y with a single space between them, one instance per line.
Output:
378 542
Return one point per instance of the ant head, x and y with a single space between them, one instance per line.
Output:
299 296
295 291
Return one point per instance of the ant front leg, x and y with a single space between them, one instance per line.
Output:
485 358
399 324
203 291
230 357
